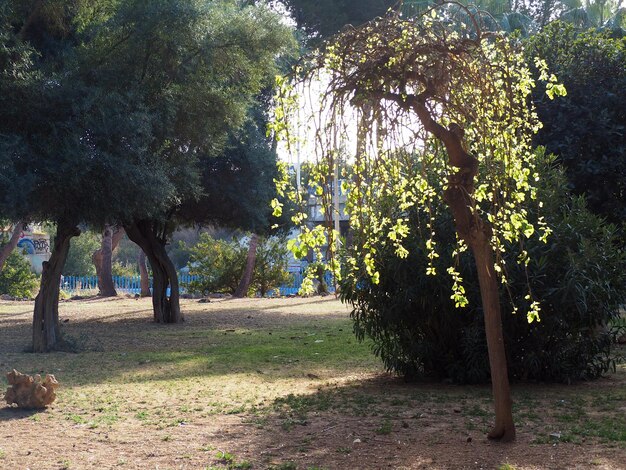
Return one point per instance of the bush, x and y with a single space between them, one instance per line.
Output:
270 270
586 127
119 268
16 277
578 276
79 262
219 264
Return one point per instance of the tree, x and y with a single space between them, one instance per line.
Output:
246 278
441 90
321 19
70 152
105 110
143 272
102 259
197 67
586 128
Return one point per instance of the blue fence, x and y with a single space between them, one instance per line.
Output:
125 284
132 284
293 288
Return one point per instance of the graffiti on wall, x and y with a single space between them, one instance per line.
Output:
36 247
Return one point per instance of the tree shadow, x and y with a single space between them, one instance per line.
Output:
12 413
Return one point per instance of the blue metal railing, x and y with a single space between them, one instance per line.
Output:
132 284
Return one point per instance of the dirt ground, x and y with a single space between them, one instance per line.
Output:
144 396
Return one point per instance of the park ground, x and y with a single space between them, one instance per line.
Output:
274 383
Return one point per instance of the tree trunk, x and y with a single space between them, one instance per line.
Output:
111 237
46 314
166 308
143 272
13 241
477 234
246 279
504 428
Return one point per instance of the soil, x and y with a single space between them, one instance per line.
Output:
410 426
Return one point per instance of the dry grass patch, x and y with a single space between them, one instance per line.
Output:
273 383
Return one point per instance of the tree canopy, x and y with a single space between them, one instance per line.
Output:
108 108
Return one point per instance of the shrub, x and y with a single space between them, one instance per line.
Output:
219 264
270 269
578 276
586 127
79 262
16 277
119 268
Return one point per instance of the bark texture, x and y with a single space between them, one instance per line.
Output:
143 273
13 241
166 307
246 279
46 315
111 237
477 235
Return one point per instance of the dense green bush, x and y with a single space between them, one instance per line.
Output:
16 277
219 264
579 276
270 270
587 128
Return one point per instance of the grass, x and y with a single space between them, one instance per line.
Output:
262 364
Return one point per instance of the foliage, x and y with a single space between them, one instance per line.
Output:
586 129
270 269
108 103
322 18
578 277
124 269
79 261
17 278
219 263
454 87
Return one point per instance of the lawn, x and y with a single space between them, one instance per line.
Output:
274 383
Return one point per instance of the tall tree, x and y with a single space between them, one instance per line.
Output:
197 67
434 88
76 153
320 19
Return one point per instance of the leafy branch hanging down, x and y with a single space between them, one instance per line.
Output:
439 91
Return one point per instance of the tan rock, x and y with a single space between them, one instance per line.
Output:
28 391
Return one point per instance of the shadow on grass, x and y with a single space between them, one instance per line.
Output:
219 340
383 422
11 413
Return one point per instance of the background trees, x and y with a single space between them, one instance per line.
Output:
108 109
586 128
